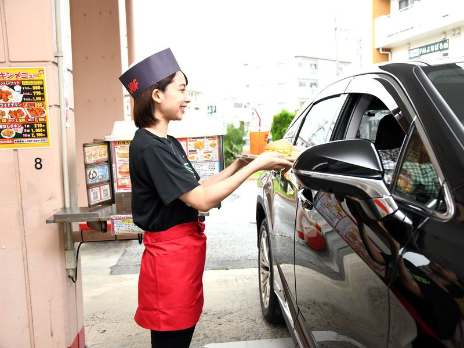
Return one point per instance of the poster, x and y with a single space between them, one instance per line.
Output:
97 173
99 194
121 165
24 116
123 224
95 153
204 153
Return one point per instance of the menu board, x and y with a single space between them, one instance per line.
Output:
204 153
121 165
24 116
97 173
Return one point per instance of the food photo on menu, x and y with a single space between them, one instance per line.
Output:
10 94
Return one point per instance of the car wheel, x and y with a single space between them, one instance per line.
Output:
269 302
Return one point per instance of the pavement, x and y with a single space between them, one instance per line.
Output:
231 315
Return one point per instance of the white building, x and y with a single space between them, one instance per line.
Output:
413 29
268 87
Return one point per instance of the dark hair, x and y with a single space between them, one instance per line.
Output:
144 106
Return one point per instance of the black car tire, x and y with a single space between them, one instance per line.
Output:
269 303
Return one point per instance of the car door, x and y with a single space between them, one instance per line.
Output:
317 121
422 280
343 296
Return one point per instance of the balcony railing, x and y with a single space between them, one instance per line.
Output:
425 16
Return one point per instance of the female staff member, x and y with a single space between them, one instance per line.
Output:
166 198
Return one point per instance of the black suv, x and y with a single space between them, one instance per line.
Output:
361 243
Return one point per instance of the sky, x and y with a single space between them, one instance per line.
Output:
211 39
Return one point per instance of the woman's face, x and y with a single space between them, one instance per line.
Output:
174 99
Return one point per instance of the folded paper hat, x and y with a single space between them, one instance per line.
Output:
149 71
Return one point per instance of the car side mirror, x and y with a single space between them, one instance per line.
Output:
347 168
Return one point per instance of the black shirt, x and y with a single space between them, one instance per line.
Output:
160 172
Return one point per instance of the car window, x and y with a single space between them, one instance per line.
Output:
319 122
448 79
293 129
379 126
417 180
370 123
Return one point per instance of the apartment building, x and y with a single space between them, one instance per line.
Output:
417 29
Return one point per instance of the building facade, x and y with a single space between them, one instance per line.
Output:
418 29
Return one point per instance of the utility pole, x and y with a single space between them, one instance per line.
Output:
336 46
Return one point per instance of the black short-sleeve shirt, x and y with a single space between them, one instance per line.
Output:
160 172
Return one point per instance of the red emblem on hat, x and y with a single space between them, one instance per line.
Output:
133 86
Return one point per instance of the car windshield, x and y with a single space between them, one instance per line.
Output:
448 79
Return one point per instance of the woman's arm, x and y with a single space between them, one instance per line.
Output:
406 280
204 197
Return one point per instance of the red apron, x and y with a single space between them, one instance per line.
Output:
170 281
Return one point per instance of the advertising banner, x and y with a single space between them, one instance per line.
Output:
121 165
97 173
24 116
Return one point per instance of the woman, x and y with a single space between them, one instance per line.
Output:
167 194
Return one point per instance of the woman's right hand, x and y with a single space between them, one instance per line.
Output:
270 161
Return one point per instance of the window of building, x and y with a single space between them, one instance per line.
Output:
405 3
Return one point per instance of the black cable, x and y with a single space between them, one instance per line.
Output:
77 262
395 271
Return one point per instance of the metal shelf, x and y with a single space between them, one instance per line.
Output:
83 214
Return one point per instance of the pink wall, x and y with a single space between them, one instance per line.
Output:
97 66
39 305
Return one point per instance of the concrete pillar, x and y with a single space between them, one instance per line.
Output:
97 66
39 305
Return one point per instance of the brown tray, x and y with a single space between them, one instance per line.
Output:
250 158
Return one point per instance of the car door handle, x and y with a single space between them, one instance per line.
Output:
306 199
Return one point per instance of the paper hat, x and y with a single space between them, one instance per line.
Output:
149 71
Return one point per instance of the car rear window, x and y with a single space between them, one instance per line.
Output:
448 79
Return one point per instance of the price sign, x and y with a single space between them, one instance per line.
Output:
24 117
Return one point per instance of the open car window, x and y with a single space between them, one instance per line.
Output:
417 180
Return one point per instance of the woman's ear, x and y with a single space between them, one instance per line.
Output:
156 95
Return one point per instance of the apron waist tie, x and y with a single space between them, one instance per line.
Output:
175 232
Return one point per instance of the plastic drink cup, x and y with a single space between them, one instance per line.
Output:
258 141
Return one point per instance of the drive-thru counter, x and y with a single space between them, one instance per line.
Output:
108 213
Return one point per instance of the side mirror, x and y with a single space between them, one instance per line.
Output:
347 168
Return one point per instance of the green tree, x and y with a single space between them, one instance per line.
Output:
280 123
233 142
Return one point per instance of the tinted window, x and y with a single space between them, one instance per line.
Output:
293 128
449 81
319 122
417 180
